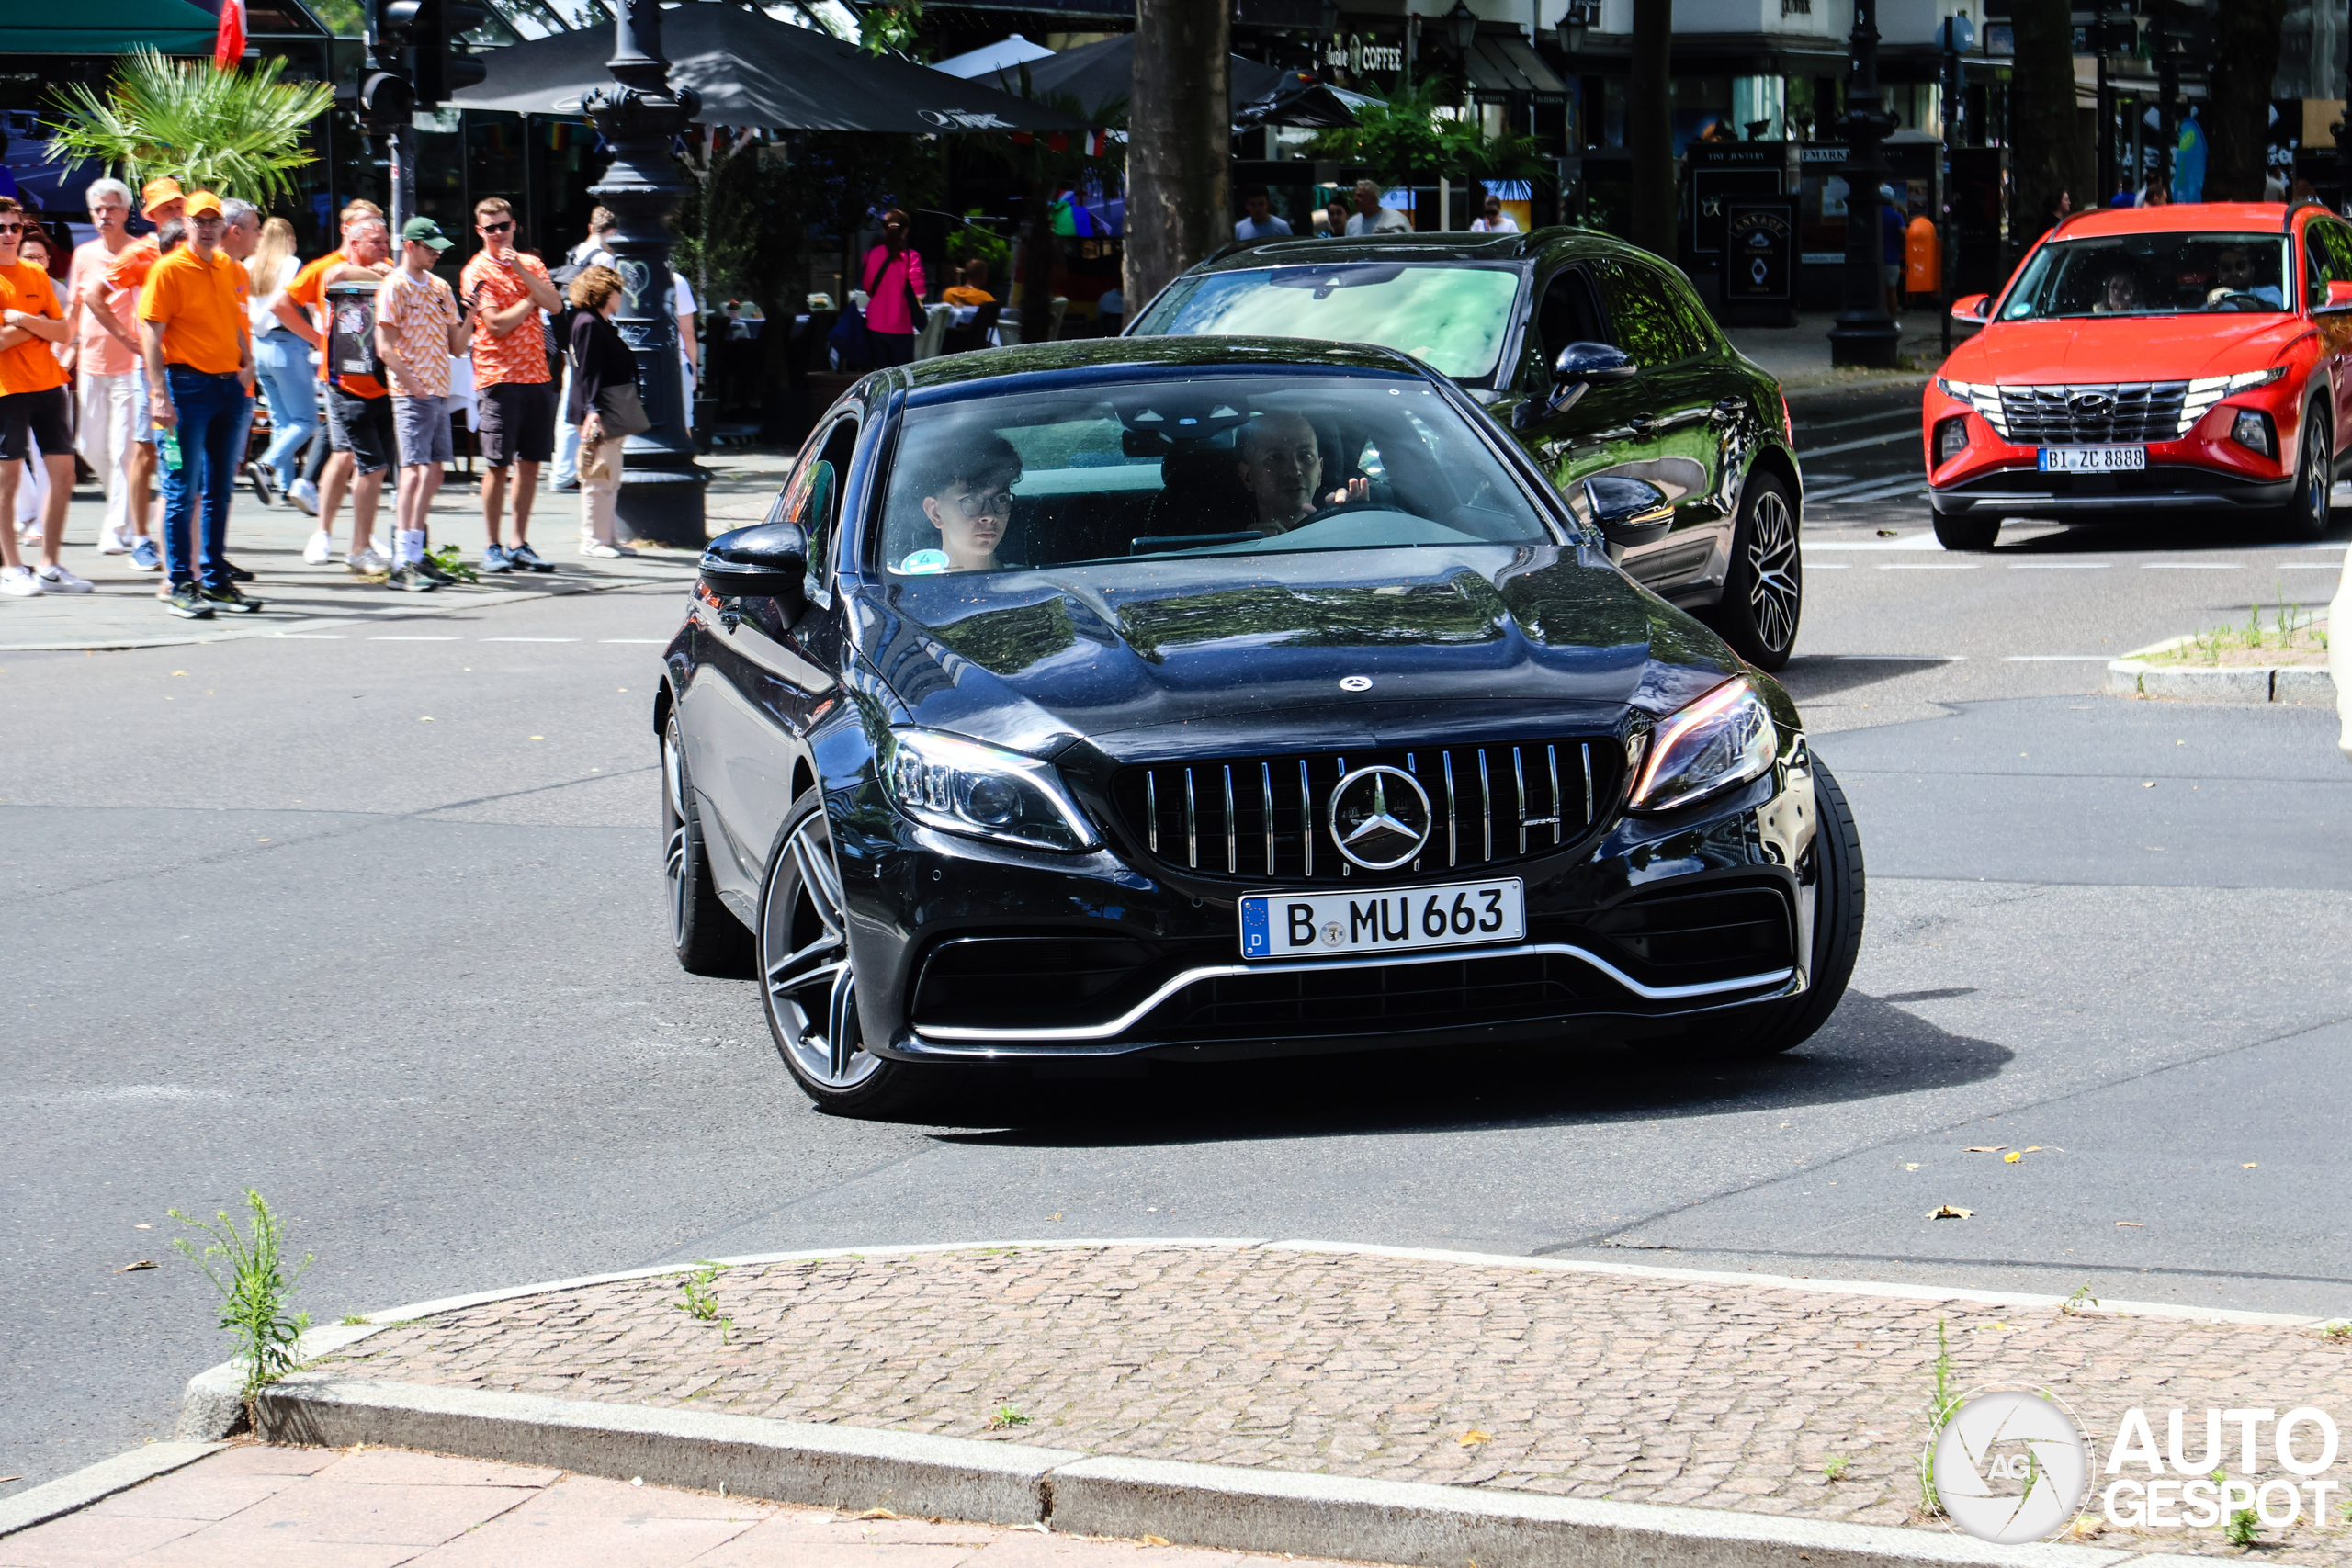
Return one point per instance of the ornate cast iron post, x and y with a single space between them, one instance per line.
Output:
662 485
1864 335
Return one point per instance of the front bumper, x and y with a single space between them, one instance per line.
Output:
971 951
2160 487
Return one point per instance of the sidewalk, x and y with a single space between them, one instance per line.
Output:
1798 357
310 600
1723 1403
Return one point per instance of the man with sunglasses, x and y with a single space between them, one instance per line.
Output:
507 291
33 405
198 350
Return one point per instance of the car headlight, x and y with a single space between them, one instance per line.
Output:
2206 390
965 787
1983 398
1725 738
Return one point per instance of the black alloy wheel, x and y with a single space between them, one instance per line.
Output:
1836 935
706 936
1764 589
810 987
1966 531
2304 517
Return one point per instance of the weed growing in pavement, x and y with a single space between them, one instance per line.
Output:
1006 1416
2292 630
1938 1412
352 1320
253 1285
1836 1468
2081 1299
699 1304
2336 1328
452 559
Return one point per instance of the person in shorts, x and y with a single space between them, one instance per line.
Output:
163 204
418 328
359 413
507 294
35 411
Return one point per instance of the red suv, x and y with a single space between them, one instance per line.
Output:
2152 359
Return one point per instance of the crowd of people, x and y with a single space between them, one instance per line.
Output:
147 356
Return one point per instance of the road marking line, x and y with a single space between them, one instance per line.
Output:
1880 489
1831 566
412 639
649 641
2057 658
2058 565
1858 444
528 639
313 636
1929 566
2191 564
1909 411
2311 565
1898 658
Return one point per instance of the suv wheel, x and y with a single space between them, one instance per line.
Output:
1967 531
1764 591
705 935
2304 517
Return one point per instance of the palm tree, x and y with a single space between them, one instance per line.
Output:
235 132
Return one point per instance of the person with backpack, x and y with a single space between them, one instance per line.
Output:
894 288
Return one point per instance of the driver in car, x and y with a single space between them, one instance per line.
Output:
1281 468
2233 274
968 497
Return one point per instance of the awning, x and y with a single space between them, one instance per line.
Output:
1101 71
108 26
751 70
1504 64
1005 54
1301 99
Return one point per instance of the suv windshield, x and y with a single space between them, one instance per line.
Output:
2153 274
1453 318
1200 466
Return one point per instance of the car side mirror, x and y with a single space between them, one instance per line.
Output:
1969 307
767 560
1578 367
2337 300
1629 513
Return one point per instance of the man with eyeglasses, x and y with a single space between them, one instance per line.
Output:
161 201
507 291
106 356
33 406
199 360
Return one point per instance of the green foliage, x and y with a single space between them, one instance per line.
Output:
1835 1468
892 28
343 17
1408 138
253 1285
1940 1411
235 132
1006 1416
2079 1300
452 559
697 1301
971 240
2242 1529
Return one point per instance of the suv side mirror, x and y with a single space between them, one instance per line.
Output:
767 560
1578 367
1629 513
1969 307
2338 299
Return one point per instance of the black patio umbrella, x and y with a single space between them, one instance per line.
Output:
1098 72
751 70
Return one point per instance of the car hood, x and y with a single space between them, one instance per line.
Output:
2127 348
1154 659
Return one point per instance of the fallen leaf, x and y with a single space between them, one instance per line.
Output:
2033 1148
2130 1224
1039 1526
1886 533
2012 1157
879 1513
425 718
5 1479
148 1227
637 1481
1985 1148
1473 1438
1155 1541
2149 785
1913 1166
2248 1165
1949 1213
134 1268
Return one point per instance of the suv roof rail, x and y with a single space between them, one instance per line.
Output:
2287 227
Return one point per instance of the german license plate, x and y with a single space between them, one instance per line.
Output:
2092 459
1389 919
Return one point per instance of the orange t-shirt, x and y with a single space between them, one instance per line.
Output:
521 355
309 288
129 269
29 367
201 306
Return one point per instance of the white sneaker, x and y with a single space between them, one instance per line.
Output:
304 494
111 542
56 579
602 551
19 582
369 561
320 551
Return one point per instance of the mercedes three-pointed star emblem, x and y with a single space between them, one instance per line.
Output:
1380 818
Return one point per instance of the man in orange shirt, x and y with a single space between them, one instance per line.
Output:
507 291
359 417
33 405
200 371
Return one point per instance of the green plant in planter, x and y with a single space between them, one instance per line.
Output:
234 132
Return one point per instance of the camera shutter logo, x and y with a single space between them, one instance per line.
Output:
2056 1466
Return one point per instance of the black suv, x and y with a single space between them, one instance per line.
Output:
1596 358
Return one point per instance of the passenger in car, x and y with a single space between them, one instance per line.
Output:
2119 296
1281 468
968 497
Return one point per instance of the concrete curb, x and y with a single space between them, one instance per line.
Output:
69 1493
2306 685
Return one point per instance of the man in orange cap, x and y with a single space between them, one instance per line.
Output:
198 338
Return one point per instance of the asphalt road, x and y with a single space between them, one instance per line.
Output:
374 926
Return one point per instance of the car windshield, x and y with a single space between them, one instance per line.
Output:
1452 317
1215 466
2153 274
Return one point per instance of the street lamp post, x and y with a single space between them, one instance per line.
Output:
1865 336
662 485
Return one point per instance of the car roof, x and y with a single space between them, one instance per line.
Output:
1306 251
1092 358
2258 217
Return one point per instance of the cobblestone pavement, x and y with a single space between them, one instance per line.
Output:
254 1507
1640 1389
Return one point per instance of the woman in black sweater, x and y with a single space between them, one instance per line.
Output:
600 358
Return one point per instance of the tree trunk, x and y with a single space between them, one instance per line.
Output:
1650 108
2237 130
1179 142
2045 139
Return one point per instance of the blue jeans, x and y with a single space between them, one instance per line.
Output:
292 390
214 413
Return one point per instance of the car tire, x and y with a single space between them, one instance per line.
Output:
807 986
1966 532
1764 587
2305 518
1836 933
705 933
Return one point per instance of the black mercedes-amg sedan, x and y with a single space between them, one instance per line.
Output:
1211 698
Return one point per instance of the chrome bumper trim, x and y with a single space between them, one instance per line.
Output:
1135 1015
